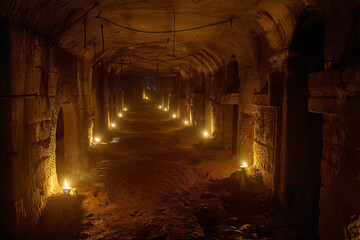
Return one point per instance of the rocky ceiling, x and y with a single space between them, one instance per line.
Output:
57 21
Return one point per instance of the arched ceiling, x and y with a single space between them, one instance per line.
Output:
209 47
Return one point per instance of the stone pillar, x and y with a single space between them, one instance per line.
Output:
336 94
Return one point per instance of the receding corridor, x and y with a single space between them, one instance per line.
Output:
180 119
151 178
148 174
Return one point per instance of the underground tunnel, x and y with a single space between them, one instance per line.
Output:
180 119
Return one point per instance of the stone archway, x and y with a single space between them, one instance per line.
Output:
67 152
303 128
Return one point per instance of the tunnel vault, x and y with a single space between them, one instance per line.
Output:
275 84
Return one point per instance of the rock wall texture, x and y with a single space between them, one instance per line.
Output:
57 81
290 67
278 123
334 95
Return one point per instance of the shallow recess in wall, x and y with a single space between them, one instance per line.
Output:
67 157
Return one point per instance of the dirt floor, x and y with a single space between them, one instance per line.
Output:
151 178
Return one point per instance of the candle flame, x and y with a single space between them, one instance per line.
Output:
120 115
97 139
206 134
174 116
125 109
66 184
165 109
244 165
113 125
160 107
186 122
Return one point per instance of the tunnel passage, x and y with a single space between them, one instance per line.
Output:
67 157
304 133
236 75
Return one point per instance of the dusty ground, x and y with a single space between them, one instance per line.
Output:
152 179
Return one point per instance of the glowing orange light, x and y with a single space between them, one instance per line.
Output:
113 125
160 107
186 123
125 109
206 134
66 184
244 165
165 109
174 116
120 115
97 140
66 188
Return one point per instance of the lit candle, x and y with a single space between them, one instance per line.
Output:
147 98
97 140
174 116
66 188
165 109
241 175
186 123
244 165
160 107
120 114
125 109
205 134
113 125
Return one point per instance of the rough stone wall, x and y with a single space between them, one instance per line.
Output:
197 104
185 93
248 84
107 97
59 79
169 94
198 107
265 131
336 95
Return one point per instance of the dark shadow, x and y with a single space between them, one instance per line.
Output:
235 129
230 116
304 129
7 213
61 218
241 198
233 79
230 127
